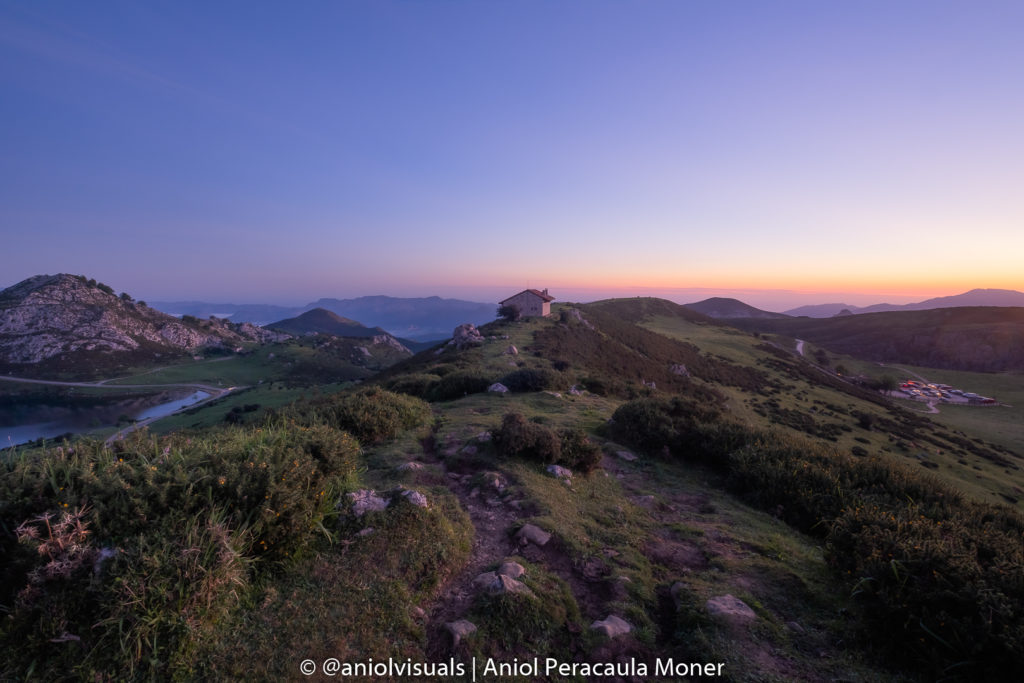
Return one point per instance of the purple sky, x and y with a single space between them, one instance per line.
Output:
257 152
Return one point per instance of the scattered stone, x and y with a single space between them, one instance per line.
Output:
454 476
612 626
415 497
646 502
649 385
559 472
574 391
484 437
460 629
365 351
677 590
469 450
679 369
511 569
410 466
418 612
466 335
625 455
609 552
494 583
795 627
365 532
498 388
439 351
475 492
730 608
494 481
529 533
367 500
511 350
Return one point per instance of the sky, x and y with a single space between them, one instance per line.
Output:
269 152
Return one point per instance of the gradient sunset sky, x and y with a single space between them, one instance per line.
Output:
282 152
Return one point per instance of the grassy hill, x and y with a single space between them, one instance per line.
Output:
705 463
979 339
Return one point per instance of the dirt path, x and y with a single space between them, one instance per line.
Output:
492 518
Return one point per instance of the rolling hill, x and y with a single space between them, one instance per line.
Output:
983 339
721 307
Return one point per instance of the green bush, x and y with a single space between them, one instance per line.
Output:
518 438
654 424
418 385
137 551
371 414
458 384
530 379
521 439
578 453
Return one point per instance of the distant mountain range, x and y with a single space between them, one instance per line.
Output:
975 297
418 319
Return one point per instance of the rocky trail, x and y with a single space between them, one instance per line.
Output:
494 512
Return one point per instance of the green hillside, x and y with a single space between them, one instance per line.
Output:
855 539
978 338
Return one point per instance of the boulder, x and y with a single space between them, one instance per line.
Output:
511 569
498 387
530 533
559 472
367 500
731 609
460 629
511 350
483 437
415 497
466 335
494 583
625 455
679 369
612 626
410 466
574 391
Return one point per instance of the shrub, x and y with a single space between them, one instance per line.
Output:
458 384
418 385
374 414
518 438
578 453
509 312
137 551
522 439
530 379
654 424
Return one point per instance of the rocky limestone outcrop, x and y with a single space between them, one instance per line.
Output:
51 315
466 335
388 340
